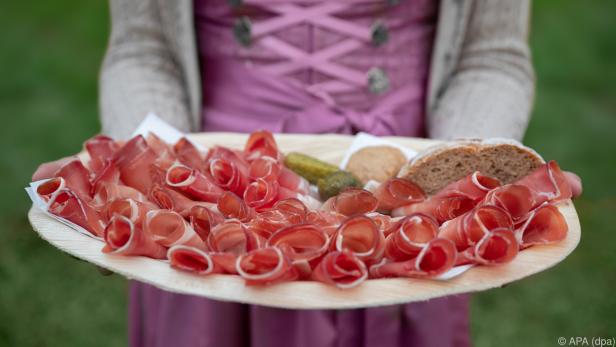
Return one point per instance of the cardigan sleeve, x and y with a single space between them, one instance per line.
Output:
491 90
139 74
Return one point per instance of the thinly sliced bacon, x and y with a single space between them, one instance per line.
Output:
305 241
474 186
261 194
341 269
50 188
266 266
516 199
497 246
193 260
232 206
227 175
397 192
261 144
547 183
134 210
135 160
193 183
543 225
467 229
351 201
169 228
123 237
77 178
228 237
100 149
68 205
361 236
188 154
436 257
440 208
410 237
203 219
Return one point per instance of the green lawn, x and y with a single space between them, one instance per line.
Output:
50 54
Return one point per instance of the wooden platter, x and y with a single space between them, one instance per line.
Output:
307 295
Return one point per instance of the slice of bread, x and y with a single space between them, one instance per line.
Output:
505 159
377 163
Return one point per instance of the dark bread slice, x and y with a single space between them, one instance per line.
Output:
435 167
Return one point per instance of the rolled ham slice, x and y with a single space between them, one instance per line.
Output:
361 236
189 155
68 205
100 149
168 228
227 175
193 260
351 201
397 192
467 229
266 266
266 168
497 246
268 222
193 183
261 194
170 199
544 225
293 209
305 241
293 182
123 237
516 199
107 192
410 237
165 156
203 219
341 269
134 210
547 183
441 208
232 206
261 144
228 237
436 257
135 160
474 186
76 178
50 188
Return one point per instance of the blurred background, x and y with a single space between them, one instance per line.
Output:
50 56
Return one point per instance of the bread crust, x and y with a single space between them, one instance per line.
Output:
377 163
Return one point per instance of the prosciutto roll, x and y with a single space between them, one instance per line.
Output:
203 220
341 269
134 210
351 201
362 237
135 160
50 188
436 257
261 194
228 237
232 206
266 266
467 229
305 242
193 183
293 209
189 155
76 178
261 144
410 236
516 199
441 208
497 246
169 228
100 149
396 192
68 205
266 168
544 225
193 260
123 237
474 186
547 183
228 175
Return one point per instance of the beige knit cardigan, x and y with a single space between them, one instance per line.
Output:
481 80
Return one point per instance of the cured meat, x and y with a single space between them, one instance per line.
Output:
169 228
50 188
440 208
135 161
516 199
228 176
543 225
261 194
341 269
474 186
293 182
547 183
305 241
134 210
228 237
329 221
109 175
189 155
76 178
410 236
68 205
436 257
497 246
351 201
123 237
106 192
293 209
100 149
193 260
165 157
203 219
193 183
266 266
268 222
261 144
396 192
467 229
232 206
362 237
266 168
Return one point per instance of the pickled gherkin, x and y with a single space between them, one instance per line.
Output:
337 182
309 167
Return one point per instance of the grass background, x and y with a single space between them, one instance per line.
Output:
49 59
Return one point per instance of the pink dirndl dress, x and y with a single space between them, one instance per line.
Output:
307 66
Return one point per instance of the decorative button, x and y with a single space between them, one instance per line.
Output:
380 34
378 82
242 31
235 3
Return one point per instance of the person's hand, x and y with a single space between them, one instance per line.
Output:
47 170
575 182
